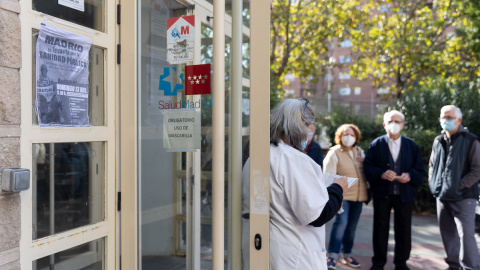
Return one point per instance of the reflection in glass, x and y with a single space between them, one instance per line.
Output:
245 12
246 57
92 17
89 256
96 82
68 186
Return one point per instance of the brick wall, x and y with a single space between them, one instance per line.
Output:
10 63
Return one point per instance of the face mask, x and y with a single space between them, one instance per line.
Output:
447 125
304 144
393 128
348 140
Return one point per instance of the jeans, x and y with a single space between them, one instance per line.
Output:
343 230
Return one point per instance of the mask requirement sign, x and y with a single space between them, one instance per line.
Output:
181 130
62 78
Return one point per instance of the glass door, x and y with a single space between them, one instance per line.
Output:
165 174
175 183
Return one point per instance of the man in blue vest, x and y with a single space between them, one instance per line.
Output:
394 168
454 171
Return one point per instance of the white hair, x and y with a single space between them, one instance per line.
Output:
391 113
458 112
286 122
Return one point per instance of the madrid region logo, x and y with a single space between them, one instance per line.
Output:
166 84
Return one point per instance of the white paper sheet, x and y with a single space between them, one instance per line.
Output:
329 177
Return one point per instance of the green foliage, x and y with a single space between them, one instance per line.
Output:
405 42
300 36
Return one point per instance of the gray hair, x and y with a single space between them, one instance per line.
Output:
286 122
391 113
458 112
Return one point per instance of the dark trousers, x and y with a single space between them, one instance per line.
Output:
402 227
456 220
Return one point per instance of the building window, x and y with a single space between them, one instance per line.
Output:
289 92
381 107
384 8
347 43
290 77
356 108
329 77
357 91
344 91
383 90
344 75
345 59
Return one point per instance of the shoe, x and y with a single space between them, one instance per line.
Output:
342 260
350 261
331 263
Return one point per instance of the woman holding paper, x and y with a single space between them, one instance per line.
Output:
346 158
300 203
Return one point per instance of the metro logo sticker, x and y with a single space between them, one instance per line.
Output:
180 39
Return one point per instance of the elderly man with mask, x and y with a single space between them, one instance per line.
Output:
454 171
393 166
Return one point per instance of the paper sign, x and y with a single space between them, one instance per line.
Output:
197 80
181 130
261 189
180 39
62 78
75 4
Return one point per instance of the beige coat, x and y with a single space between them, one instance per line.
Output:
339 161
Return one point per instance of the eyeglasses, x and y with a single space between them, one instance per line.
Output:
447 118
306 103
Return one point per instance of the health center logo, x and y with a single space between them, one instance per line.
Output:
187 104
166 86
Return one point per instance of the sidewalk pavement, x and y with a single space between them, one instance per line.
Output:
427 248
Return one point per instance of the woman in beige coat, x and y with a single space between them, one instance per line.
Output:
346 158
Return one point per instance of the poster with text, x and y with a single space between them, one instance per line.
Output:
181 130
180 39
62 78
75 4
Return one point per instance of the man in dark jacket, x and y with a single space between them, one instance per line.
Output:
393 166
313 149
454 171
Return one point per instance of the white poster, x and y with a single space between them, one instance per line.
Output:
181 130
75 4
62 78
180 39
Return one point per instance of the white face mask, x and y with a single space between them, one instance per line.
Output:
393 128
348 140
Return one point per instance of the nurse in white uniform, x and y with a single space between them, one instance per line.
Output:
300 204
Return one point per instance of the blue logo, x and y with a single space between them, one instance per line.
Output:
166 86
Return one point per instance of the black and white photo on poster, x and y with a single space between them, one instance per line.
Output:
62 88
